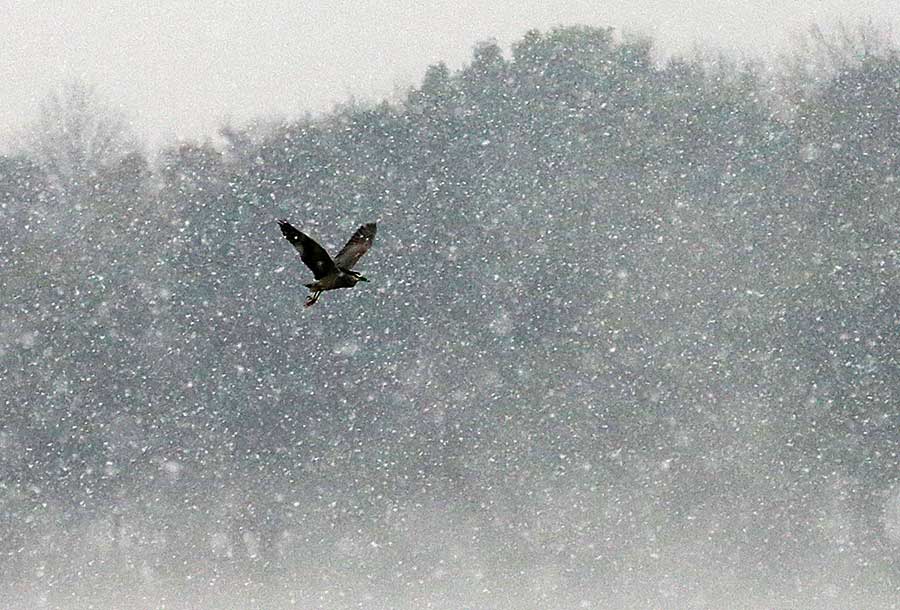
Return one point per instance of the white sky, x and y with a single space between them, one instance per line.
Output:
179 68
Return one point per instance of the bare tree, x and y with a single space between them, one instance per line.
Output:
76 138
819 54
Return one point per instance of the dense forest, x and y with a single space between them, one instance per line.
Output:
632 338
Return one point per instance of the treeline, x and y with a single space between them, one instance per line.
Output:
619 309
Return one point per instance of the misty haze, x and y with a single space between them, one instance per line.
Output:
630 339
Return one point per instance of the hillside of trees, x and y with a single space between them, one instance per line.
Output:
632 333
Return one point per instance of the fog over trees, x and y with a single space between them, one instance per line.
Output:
631 339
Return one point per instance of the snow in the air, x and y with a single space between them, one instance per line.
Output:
631 340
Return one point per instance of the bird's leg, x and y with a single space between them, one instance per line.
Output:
312 298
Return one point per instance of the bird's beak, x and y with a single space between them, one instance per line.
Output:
362 279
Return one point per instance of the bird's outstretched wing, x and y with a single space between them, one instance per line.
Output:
358 245
313 255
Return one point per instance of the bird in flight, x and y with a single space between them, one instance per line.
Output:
330 273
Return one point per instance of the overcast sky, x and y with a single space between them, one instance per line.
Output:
179 68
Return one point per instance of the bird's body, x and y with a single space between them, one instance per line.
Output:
330 274
341 279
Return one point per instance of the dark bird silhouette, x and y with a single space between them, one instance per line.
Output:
330 273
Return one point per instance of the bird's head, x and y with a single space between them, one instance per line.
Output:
359 277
